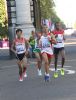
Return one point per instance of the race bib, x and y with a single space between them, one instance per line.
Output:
20 47
46 45
45 42
59 38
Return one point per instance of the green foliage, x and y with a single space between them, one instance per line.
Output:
48 11
54 17
3 19
63 25
46 8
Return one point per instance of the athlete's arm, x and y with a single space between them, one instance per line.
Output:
53 39
64 38
27 46
13 47
40 43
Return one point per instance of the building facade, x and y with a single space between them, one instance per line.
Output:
20 15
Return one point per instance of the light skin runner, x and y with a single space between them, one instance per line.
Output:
37 52
46 50
32 44
20 48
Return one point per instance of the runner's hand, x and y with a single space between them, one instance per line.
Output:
26 53
15 52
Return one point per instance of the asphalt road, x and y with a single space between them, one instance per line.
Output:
34 87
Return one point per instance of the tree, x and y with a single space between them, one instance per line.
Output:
54 17
46 8
48 11
3 19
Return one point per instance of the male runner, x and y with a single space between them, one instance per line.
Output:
59 47
20 47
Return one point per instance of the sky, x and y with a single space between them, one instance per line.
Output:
66 10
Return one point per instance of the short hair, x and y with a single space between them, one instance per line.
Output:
57 23
18 30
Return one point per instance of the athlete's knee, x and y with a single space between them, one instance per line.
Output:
39 60
46 62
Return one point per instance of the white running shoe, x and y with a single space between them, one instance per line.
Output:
21 79
25 75
39 73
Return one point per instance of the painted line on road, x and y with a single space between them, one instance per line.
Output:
34 63
60 65
69 45
9 66
51 69
67 70
69 60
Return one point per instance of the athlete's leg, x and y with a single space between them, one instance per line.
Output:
46 62
39 62
24 66
56 53
56 60
63 61
49 59
62 52
20 70
45 59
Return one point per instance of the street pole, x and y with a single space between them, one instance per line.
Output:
11 9
37 15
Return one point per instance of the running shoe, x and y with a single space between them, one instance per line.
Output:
20 78
39 73
55 74
62 71
47 78
25 74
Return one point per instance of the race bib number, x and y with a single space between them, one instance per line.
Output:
46 45
20 47
59 38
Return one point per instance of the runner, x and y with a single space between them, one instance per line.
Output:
46 50
37 52
20 47
32 44
59 47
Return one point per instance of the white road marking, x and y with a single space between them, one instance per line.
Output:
71 71
69 60
52 69
67 70
60 65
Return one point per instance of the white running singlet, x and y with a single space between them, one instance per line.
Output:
60 41
20 46
46 45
